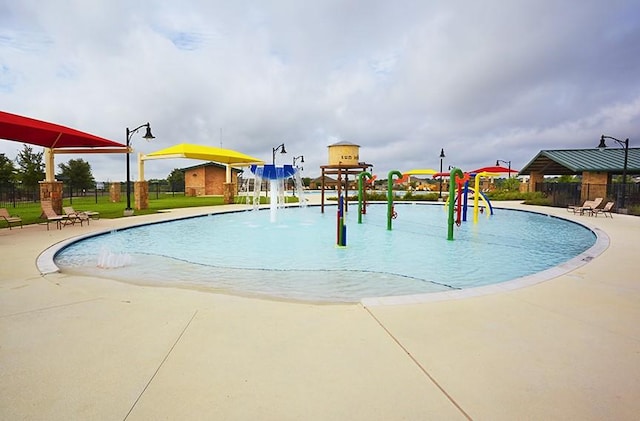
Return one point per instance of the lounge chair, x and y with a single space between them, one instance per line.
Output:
49 215
74 216
587 206
607 209
10 219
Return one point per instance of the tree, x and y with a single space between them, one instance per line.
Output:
7 171
508 184
77 174
176 180
30 167
568 179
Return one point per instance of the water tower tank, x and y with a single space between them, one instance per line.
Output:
344 153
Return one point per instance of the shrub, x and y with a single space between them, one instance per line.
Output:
634 210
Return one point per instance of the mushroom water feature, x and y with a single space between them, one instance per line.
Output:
276 177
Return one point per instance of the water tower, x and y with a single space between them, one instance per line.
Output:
344 160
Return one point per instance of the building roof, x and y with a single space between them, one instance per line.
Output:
577 161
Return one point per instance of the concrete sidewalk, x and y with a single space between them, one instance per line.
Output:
89 348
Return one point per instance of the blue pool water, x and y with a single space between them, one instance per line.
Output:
296 256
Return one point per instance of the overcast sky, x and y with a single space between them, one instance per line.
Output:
484 80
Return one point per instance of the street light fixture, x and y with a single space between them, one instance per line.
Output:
147 136
498 161
625 144
296 158
282 150
442 156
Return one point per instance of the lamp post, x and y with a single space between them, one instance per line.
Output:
442 156
625 144
498 161
296 158
147 136
282 150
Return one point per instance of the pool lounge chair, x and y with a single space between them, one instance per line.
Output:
77 216
49 215
607 209
11 220
588 206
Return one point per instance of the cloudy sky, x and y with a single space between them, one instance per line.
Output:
484 80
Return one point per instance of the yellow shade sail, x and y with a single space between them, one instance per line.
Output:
205 153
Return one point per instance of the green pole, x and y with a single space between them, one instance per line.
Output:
361 177
390 196
452 196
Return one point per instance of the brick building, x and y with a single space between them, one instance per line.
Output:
208 179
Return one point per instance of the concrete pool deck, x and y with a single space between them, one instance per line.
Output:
76 347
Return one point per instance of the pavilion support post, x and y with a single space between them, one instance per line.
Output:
114 192
594 184
534 179
52 190
141 195
229 190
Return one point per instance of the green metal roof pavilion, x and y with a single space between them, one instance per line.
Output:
577 161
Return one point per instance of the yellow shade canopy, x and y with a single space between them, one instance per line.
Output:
205 153
425 171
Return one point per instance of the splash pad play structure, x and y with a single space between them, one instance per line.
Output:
457 179
276 176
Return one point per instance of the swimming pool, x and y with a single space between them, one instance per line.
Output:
296 257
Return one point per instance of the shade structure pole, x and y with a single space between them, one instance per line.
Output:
140 167
49 165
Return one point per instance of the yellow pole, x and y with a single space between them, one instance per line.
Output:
140 167
49 165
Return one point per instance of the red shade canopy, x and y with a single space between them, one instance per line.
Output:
495 169
48 135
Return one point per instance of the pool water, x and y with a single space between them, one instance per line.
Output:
296 257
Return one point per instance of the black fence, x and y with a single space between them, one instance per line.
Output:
16 195
565 194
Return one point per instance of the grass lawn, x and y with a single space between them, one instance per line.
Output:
30 212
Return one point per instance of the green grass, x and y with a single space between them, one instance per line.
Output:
30 212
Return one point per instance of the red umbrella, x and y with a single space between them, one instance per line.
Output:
494 169
48 135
